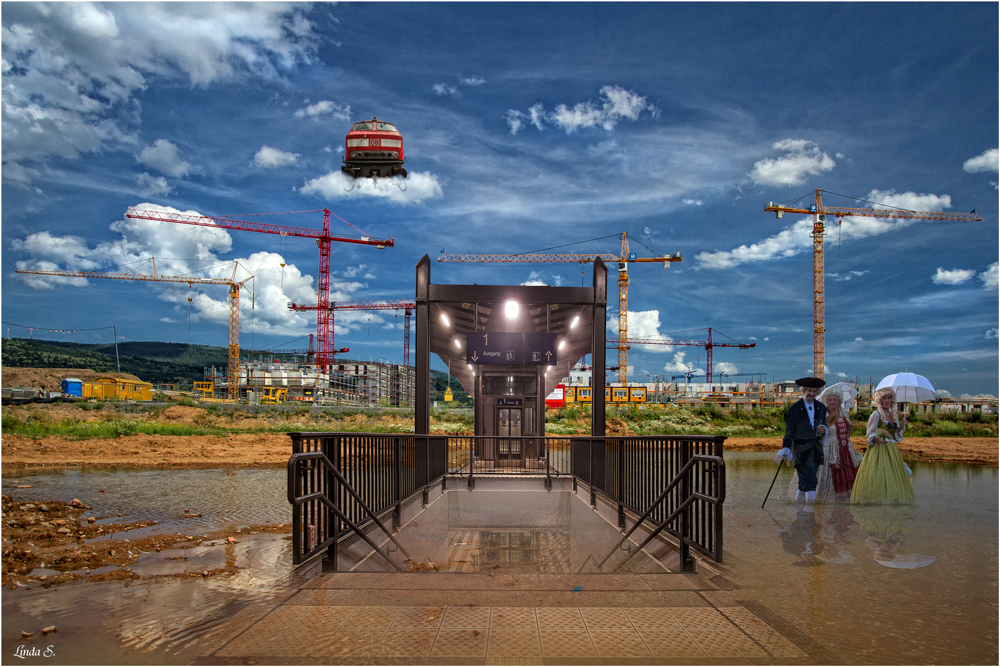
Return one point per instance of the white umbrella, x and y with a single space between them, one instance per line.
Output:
909 387
849 391
907 561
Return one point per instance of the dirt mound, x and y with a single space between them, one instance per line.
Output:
181 414
51 378
616 426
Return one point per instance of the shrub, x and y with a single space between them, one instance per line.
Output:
10 421
947 427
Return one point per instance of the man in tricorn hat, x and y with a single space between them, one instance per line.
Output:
805 431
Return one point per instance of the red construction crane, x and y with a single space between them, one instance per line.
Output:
614 344
406 306
324 323
819 213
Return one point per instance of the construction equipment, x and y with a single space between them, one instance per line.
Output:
406 306
207 389
616 343
273 395
324 325
623 260
234 305
820 213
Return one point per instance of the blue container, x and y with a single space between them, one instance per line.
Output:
73 387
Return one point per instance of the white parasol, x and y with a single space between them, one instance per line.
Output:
909 387
907 561
849 391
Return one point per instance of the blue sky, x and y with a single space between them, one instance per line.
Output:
526 126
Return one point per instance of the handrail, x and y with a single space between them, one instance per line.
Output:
296 500
721 475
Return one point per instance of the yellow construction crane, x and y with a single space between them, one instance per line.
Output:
820 213
234 305
622 260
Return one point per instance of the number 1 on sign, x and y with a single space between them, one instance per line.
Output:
486 340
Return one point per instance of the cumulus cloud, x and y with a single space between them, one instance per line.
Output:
70 68
846 276
164 157
472 81
681 367
643 324
724 367
801 159
952 277
186 250
271 158
18 175
987 161
535 278
612 105
419 186
153 185
943 393
798 238
692 202
324 107
842 374
858 339
991 334
444 89
989 276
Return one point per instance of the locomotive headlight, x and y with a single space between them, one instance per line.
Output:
395 155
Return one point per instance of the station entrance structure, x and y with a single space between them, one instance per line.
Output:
543 331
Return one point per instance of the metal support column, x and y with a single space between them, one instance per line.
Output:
597 350
422 388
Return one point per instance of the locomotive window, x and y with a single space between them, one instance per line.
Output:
385 127
361 126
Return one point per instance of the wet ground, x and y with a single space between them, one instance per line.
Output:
835 581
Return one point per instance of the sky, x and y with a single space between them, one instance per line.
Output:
525 127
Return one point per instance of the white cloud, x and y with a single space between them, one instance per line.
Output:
989 276
766 338
847 276
270 158
643 324
614 104
987 161
164 157
445 89
534 278
858 339
153 185
991 334
419 186
753 338
70 68
802 158
324 107
724 367
952 277
679 366
692 202
943 393
472 81
139 240
842 374
18 175
798 238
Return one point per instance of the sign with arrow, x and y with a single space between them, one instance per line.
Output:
515 349
540 349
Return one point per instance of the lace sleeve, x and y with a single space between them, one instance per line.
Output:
872 427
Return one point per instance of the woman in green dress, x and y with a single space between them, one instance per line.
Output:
882 476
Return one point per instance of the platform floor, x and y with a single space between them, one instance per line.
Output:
438 618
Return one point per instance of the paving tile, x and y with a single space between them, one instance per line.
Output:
619 643
351 643
650 617
508 643
285 615
713 644
514 661
419 617
297 641
714 618
325 617
666 643
743 617
247 644
406 643
522 618
747 647
467 617
344 580
372 617
774 643
454 642
699 618
559 617
605 617
567 644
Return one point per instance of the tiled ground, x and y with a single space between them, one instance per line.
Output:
508 635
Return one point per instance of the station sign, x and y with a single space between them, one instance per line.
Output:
515 349
509 402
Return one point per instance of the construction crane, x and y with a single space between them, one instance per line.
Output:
820 213
616 343
324 324
406 306
234 305
623 260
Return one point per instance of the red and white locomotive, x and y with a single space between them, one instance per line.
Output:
374 150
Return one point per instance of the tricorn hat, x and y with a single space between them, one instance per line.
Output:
811 382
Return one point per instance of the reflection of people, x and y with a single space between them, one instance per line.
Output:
802 539
885 526
805 429
882 476
835 478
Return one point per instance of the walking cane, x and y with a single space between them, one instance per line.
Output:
781 463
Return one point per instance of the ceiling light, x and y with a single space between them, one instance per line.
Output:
576 320
562 344
511 309
445 320
457 344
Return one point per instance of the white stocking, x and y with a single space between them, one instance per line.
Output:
800 496
810 496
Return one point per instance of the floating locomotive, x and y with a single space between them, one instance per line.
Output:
374 150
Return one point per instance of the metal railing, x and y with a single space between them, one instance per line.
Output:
675 483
